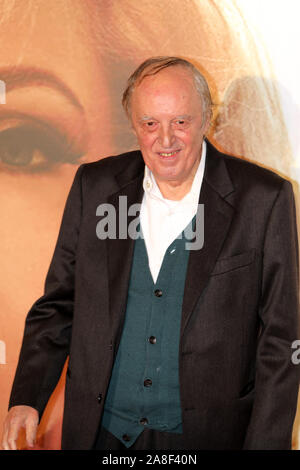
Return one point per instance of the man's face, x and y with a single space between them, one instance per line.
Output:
166 113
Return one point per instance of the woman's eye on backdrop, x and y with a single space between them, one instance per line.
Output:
30 148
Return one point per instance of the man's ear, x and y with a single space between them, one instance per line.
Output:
207 123
133 128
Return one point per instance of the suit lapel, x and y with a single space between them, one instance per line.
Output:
218 214
120 250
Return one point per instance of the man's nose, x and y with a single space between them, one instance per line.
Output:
166 136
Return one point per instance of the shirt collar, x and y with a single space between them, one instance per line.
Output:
151 188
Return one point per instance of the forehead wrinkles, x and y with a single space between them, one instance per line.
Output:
168 79
165 89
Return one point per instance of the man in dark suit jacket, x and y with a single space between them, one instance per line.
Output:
169 348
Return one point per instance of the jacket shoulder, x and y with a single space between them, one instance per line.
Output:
114 164
250 171
244 173
101 175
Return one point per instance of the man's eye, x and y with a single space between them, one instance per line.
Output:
150 125
181 123
29 148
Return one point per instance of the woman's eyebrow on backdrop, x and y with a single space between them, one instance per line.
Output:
54 123
21 76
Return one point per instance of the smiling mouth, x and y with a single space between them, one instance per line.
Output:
168 154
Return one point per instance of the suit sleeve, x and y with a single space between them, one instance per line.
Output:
277 377
48 325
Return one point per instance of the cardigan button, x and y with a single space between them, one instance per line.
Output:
158 292
152 339
147 383
143 421
126 438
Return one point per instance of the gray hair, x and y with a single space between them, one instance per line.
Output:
153 66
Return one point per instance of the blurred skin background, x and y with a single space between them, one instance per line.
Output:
65 64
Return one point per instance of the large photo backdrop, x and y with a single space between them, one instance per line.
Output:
63 67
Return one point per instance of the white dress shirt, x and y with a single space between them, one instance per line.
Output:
162 220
